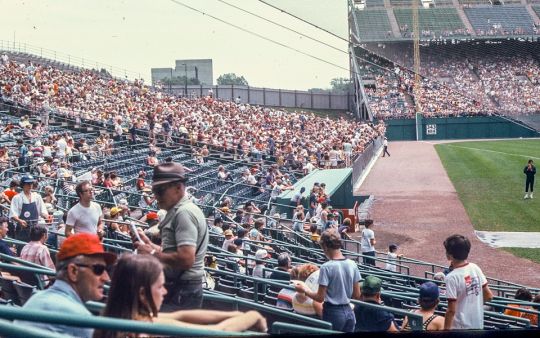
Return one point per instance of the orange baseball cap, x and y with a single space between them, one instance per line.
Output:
84 244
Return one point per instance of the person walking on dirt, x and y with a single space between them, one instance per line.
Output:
529 171
385 147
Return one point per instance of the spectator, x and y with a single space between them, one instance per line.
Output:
525 295
258 270
4 247
81 274
428 300
27 209
217 226
256 234
184 237
296 200
86 215
466 287
392 256
373 320
344 228
315 236
308 274
10 192
140 297
229 238
36 251
141 184
223 174
283 268
338 283
367 243
298 219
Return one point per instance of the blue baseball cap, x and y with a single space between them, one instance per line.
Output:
429 290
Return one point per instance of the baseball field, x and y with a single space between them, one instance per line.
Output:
488 177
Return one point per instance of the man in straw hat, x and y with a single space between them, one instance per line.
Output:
184 239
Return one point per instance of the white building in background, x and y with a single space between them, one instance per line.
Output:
200 69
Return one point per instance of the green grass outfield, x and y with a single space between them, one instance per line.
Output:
488 177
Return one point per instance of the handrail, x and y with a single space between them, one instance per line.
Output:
9 329
281 328
105 323
13 267
266 309
32 267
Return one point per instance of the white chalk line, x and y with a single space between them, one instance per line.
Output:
494 151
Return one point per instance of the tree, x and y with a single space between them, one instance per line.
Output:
231 79
341 84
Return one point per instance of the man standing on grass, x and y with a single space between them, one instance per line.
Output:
529 171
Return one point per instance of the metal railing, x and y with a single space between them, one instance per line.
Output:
362 160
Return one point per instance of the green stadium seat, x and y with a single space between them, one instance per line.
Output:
508 18
438 21
373 24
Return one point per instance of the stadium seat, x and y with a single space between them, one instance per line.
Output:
24 291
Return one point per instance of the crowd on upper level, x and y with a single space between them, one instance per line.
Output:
457 85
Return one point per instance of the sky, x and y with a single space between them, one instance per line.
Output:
131 37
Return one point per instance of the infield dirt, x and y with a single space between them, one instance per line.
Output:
417 207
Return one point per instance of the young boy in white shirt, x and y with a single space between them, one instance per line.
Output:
466 287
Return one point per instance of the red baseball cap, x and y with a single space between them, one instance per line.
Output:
84 244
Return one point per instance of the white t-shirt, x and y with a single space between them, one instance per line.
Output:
365 243
258 271
464 284
390 265
84 219
61 144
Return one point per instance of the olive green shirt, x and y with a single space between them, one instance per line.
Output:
185 224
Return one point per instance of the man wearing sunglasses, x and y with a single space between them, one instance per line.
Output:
80 277
184 239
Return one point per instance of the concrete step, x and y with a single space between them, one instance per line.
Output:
463 16
533 14
393 23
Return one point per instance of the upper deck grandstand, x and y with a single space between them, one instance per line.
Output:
474 58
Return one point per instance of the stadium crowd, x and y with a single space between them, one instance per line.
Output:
174 239
455 85
292 138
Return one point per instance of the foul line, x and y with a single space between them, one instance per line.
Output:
494 151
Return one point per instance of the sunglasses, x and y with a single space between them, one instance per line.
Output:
97 269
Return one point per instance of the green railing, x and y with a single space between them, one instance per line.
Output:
287 328
9 329
112 324
215 297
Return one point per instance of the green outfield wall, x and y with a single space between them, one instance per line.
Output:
456 128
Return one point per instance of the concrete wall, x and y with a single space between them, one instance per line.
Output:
270 96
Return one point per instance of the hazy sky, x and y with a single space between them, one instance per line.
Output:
140 34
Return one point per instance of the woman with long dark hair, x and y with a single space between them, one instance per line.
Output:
137 291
